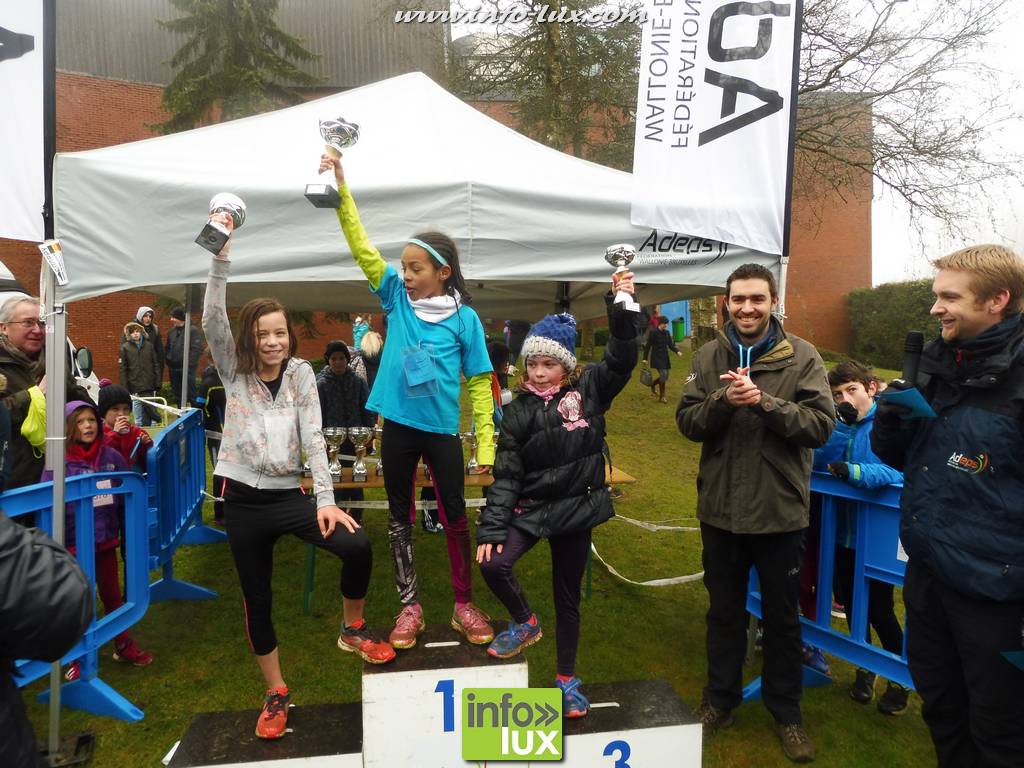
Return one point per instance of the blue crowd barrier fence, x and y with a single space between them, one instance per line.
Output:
89 692
176 479
878 556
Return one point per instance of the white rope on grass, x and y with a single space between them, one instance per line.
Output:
651 583
657 525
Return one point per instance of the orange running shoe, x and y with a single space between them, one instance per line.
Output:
274 718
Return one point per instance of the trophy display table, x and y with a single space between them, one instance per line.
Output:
411 716
615 477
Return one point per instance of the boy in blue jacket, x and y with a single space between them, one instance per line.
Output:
848 456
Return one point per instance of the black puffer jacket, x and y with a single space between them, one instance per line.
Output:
45 606
343 399
549 479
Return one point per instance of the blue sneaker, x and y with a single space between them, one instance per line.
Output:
815 659
513 640
574 703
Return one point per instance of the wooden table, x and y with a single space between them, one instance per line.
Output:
615 477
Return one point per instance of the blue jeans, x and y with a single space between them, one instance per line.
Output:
142 414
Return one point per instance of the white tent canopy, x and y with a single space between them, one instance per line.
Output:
531 223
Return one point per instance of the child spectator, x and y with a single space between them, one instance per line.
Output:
132 442
141 368
343 397
549 480
86 452
144 316
370 348
848 456
212 400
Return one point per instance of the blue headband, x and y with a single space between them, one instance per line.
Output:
431 250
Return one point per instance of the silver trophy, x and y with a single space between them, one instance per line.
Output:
360 436
334 437
338 135
378 433
469 438
214 235
620 257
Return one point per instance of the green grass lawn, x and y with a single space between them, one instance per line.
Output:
629 632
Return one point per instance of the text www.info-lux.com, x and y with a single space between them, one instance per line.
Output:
543 15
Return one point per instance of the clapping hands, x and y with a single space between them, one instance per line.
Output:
741 389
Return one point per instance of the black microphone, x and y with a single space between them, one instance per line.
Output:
912 356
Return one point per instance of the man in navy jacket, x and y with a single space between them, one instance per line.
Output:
962 517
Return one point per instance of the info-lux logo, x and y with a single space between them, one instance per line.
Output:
511 724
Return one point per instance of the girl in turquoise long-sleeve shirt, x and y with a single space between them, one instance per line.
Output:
433 337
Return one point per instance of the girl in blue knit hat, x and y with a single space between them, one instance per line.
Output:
433 337
549 480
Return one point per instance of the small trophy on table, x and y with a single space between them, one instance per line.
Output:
469 438
214 235
620 257
378 434
338 135
360 436
334 437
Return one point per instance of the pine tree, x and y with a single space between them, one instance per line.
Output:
236 62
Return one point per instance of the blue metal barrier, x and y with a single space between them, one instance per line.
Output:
176 479
879 556
89 693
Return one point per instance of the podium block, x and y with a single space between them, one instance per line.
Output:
321 735
411 707
641 724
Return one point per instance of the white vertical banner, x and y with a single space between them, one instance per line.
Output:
22 188
713 119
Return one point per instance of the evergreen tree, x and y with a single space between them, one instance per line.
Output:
236 61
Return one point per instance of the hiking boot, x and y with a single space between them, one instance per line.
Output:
894 700
815 659
473 623
513 640
273 719
409 625
796 744
863 689
712 718
128 652
364 641
574 703
74 671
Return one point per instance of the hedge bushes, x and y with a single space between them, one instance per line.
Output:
882 316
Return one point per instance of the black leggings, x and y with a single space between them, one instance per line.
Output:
568 562
255 520
401 448
881 612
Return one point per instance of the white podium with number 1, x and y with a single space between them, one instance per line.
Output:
411 712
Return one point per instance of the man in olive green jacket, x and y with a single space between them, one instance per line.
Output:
760 403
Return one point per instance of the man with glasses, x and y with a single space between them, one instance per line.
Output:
23 387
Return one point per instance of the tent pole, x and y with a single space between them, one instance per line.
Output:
562 301
183 400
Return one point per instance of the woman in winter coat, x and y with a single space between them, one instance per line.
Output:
659 342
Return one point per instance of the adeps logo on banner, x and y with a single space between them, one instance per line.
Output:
511 724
